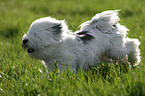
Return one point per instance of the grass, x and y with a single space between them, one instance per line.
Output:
21 75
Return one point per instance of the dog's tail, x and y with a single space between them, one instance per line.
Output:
104 22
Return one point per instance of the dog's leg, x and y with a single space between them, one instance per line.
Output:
133 51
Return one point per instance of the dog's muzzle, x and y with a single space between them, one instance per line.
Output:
25 46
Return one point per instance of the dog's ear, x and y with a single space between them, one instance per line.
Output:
57 29
60 27
84 36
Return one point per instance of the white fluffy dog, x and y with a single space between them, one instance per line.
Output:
102 37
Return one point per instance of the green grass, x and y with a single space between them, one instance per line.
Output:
21 75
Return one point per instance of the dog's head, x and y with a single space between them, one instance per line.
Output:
105 23
42 34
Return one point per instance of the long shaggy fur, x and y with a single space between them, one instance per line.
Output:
102 37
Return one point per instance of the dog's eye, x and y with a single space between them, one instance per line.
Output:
114 25
97 27
96 21
35 35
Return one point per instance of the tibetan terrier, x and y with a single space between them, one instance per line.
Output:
102 39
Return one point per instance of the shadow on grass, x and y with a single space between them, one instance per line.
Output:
108 72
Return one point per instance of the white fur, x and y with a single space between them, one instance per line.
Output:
106 38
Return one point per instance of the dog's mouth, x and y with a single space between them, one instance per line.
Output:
30 50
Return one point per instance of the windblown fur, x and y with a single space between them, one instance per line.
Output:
102 37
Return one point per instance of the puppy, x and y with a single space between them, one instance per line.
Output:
102 37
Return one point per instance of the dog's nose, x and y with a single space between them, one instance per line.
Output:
25 41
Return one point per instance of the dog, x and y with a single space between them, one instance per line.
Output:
99 40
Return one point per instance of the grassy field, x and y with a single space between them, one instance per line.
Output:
21 75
